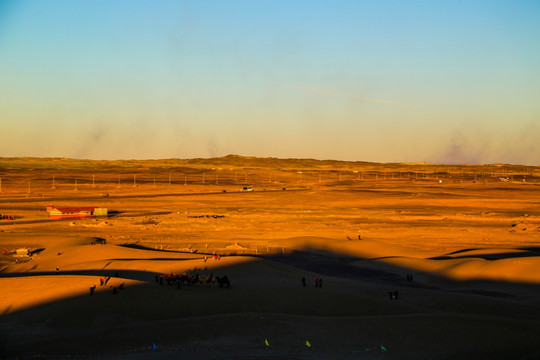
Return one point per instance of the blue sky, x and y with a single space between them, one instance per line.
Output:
388 81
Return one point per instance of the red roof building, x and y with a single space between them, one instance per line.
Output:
75 212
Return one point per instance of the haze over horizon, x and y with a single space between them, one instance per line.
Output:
381 81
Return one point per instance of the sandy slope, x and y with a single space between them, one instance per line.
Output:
483 264
267 301
473 249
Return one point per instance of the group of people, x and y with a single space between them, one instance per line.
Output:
318 282
104 282
184 278
120 287
7 217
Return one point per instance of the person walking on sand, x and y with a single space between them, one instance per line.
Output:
320 283
316 283
304 281
101 281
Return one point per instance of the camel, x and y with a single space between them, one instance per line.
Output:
208 280
224 281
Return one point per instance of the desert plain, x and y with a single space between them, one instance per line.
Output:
459 245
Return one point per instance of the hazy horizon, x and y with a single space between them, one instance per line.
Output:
376 81
263 158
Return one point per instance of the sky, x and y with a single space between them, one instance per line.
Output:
385 81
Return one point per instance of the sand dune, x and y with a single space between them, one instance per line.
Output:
471 246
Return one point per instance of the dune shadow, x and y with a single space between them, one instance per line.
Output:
333 264
119 273
525 252
336 265
35 251
352 308
146 248
461 251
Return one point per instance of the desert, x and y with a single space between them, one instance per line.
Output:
411 261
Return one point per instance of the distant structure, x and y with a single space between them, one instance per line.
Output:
22 252
75 212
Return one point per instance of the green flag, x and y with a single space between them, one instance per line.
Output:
383 348
266 342
308 344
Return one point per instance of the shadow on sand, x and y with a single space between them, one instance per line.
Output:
520 253
350 317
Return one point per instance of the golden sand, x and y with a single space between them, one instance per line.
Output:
470 243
